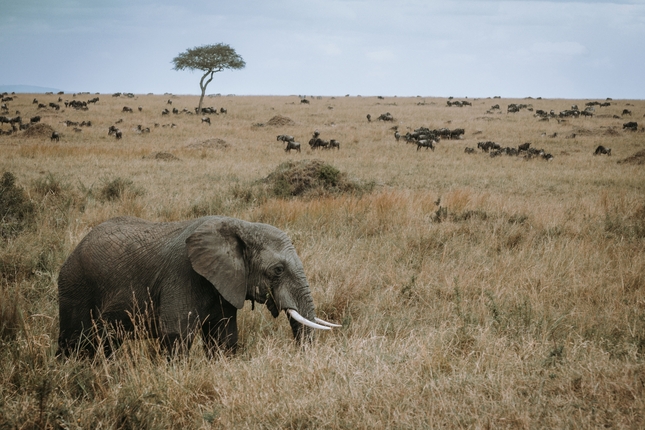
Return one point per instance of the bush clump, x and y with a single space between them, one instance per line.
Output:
117 188
17 212
311 178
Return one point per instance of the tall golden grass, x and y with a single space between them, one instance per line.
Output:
473 291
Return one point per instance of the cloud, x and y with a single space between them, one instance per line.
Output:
559 48
381 56
331 49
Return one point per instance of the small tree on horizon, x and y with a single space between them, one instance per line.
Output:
210 59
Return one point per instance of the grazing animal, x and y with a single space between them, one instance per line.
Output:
333 143
524 146
285 138
602 150
165 112
487 146
127 109
118 134
626 112
185 277
397 135
223 111
206 120
632 125
469 150
292 145
369 118
140 108
385 117
426 144
55 137
305 101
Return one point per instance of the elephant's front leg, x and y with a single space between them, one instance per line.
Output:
220 329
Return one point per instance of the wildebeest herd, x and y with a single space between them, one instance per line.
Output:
422 137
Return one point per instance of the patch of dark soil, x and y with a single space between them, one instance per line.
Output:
637 158
165 156
281 121
612 131
311 178
581 131
215 143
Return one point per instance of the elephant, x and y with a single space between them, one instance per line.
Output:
179 278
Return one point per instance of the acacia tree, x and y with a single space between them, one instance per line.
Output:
210 59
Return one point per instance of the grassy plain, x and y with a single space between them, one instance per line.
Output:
519 304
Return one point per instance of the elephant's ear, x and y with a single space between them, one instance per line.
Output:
216 252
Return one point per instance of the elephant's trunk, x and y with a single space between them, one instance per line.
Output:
305 311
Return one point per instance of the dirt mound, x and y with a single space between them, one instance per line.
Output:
39 130
209 144
165 156
311 178
638 159
281 121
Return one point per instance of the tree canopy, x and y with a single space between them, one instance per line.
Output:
210 59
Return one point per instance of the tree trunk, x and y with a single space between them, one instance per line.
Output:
203 86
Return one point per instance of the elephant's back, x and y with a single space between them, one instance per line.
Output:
123 249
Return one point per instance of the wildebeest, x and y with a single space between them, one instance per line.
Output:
292 145
524 146
369 118
469 150
285 138
55 137
397 135
35 119
626 112
385 117
631 125
223 111
305 101
487 146
127 109
333 143
316 142
206 120
140 108
425 144
602 150
118 134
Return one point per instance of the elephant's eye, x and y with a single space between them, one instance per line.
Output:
278 270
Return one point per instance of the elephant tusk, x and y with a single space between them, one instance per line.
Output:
323 322
302 320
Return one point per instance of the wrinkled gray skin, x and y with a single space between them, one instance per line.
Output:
183 277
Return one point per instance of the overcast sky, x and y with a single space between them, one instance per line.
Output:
460 48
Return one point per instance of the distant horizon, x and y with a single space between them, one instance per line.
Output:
36 89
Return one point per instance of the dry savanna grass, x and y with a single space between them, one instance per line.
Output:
474 291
